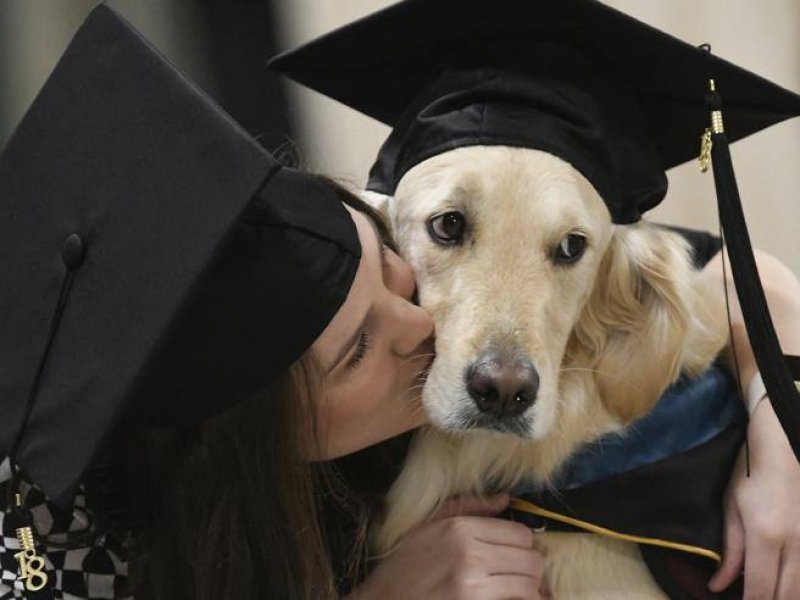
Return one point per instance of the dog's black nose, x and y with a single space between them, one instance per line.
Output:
502 389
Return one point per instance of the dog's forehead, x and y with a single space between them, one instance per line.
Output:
441 180
489 180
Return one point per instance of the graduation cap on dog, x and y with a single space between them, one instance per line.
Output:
158 266
619 100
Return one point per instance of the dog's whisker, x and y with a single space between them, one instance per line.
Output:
417 357
588 369
420 385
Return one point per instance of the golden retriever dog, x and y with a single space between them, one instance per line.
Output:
554 327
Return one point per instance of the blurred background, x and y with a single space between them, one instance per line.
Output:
223 45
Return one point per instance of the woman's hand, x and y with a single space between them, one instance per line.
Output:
762 512
463 553
762 515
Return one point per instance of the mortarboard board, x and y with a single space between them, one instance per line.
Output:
158 265
618 99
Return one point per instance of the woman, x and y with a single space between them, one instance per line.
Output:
355 387
236 497
173 301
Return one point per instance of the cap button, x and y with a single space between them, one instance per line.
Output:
73 251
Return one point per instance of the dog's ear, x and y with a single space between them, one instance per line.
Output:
650 317
380 202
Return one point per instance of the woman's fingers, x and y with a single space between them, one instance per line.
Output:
506 533
504 560
460 558
789 578
488 530
733 554
761 563
462 553
497 556
472 505
765 500
509 587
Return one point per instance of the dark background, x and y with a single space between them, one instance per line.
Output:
222 45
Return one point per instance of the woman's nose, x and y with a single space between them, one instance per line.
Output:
401 277
412 325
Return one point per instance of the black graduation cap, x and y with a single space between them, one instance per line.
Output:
157 264
618 99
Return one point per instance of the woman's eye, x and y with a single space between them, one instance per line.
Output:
447 228
360 352
570 249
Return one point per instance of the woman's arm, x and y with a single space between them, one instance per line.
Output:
762 533
782 289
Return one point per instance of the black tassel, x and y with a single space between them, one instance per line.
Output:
771 362
36 581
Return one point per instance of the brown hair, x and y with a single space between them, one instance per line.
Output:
228 508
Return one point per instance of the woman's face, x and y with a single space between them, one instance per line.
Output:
373 354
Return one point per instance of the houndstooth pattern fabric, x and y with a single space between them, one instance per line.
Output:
88 573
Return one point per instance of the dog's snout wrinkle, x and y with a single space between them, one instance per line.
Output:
502 389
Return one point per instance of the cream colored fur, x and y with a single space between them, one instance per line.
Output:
607 335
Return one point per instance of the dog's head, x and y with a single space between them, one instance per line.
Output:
528 280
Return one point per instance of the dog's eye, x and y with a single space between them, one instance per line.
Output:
447 228
570 249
